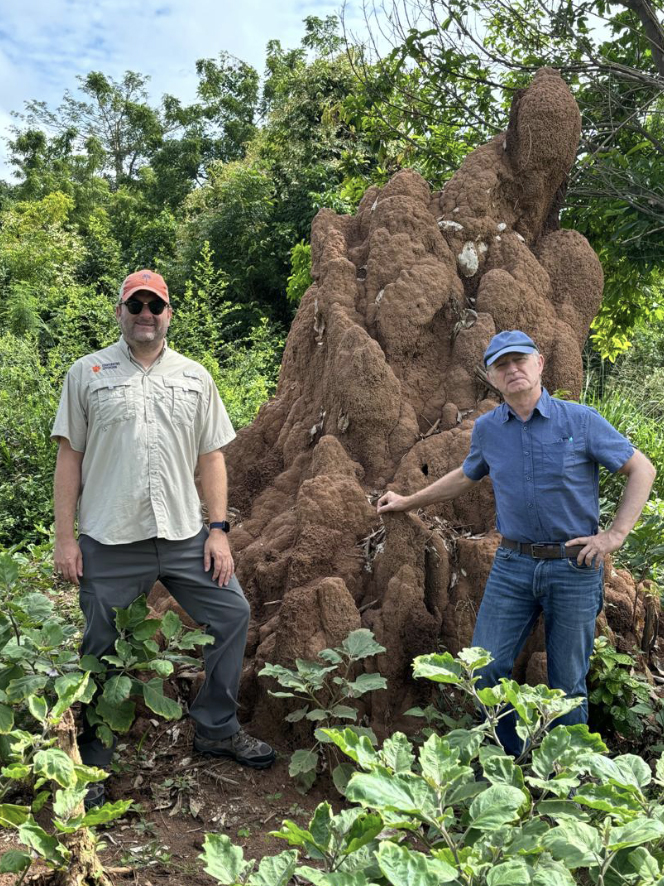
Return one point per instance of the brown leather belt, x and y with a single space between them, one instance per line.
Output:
542 551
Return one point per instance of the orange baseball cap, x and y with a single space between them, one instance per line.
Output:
144 280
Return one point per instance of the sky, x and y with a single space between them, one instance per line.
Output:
45 44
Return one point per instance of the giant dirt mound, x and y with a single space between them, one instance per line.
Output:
380 383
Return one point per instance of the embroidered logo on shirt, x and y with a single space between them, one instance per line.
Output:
96 368
110 365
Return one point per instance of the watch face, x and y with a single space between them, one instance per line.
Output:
224 525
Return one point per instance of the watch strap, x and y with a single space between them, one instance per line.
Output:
224 525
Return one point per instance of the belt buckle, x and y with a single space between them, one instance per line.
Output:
534 551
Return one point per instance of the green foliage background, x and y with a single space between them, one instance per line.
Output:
219 195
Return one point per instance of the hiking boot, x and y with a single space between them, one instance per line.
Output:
96 796
241 747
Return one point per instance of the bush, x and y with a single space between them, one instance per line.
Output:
460 811
28 401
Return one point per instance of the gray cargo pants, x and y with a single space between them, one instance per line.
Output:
115 575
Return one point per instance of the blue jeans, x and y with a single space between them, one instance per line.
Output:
518 589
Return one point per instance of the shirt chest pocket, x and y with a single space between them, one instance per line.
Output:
111 400
183 398
560 455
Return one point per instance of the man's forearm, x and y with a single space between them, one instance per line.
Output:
214 484
444 489
637 489
66 489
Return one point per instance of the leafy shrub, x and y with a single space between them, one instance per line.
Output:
619 698
300 277
28 401
325 691
41 677
428 818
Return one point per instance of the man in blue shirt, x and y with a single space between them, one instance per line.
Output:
543 457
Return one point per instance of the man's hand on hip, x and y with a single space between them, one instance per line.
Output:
68 560
217 552
596 547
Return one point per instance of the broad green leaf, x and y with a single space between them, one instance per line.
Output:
475 657
66 802
341 775
86 774
468 742
548 753
44 844
170 624
296 716
145 630
6 719
551 873
401 793
283 676
91 663
330 655
37 707
635 769
558 786
37 606
337 878
608 798
364 829
107 812
495 807
223 861
54 764
634 833
397 753
491 696
503 770
320 825
366 683
153 693
439 667
440 763
8 570
316 715
344 712
162 667
12 815
406 867
297 836
71 688
17 771
117 717
21 687
275 870
360 644
514 872
576 844
561 809
117 689
302 761
105 735
644 863
357 747
133 615
14 862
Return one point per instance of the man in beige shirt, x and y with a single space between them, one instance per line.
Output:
135 421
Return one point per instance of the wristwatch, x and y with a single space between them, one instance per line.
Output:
224 525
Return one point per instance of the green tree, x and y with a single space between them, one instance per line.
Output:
453 70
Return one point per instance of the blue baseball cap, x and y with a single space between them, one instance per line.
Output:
512 341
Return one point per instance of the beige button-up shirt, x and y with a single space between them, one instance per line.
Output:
141 432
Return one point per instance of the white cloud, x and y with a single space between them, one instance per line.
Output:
44 46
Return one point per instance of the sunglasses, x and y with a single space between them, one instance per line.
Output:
134 306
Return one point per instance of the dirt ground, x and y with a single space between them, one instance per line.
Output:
179 797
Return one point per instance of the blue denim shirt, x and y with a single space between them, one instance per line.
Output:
545 471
